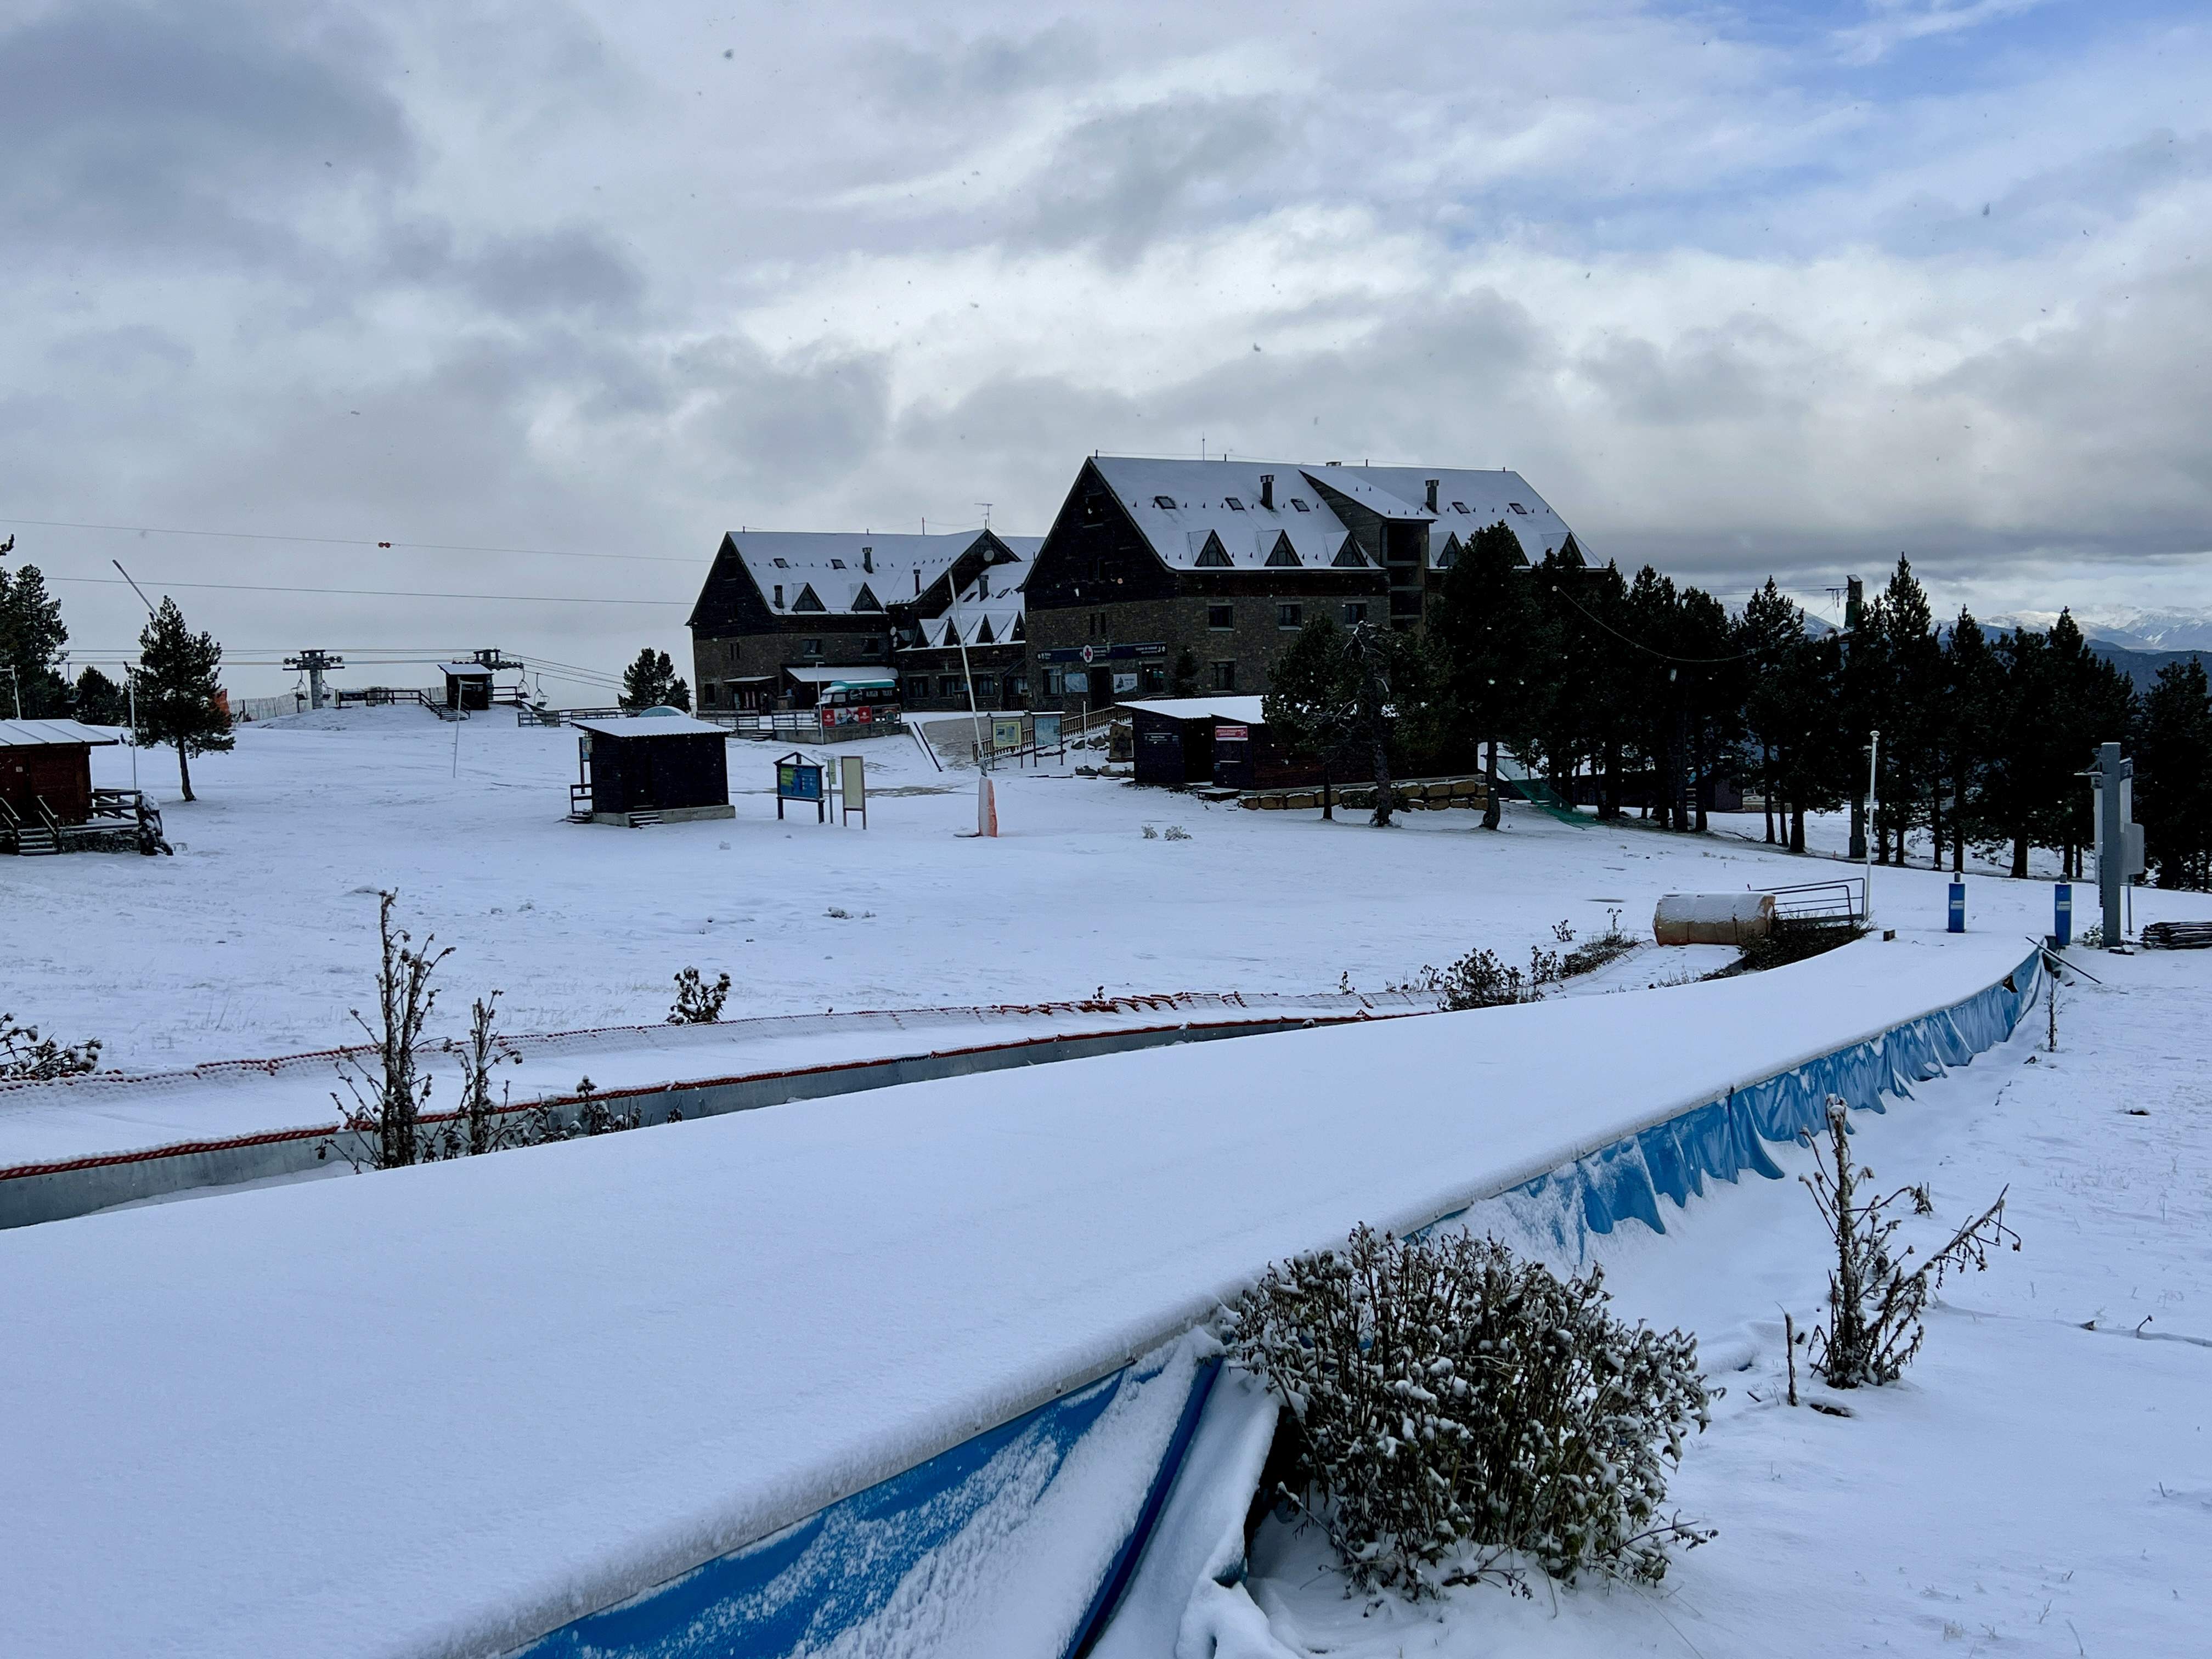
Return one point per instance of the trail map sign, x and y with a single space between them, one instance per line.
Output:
799 779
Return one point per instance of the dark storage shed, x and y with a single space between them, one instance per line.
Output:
660 766
468 685
1201 740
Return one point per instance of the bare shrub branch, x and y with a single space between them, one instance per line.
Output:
1875 1297
25 1057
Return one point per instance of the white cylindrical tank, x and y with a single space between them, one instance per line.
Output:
1713 918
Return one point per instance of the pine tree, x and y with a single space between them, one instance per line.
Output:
99 701
652 682
180 701
1768 633
1313 698
31 641
1490 639
1968 712
2173 775
1905 698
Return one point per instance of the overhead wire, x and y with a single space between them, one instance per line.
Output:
366 592
351 541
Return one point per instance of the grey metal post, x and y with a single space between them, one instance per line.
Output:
2112 841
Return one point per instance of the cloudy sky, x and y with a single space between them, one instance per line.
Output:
1740 288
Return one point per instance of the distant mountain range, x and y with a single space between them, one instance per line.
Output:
2130 630
2138 642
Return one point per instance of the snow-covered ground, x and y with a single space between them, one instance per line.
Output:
2041 1482
542 1380
259 935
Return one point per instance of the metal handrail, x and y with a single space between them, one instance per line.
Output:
1803 901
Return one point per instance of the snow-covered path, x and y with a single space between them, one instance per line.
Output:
2040 1484
545 1379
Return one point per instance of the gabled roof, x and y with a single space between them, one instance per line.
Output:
1190 511
649 726
38 734
836 565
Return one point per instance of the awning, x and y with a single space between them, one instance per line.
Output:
29 734
852 679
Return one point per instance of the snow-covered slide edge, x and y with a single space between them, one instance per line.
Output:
851 1573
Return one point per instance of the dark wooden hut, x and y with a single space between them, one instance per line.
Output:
660 766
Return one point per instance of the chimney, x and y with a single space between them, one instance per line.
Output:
917 581
1267 491
868 560
1433 482
778 595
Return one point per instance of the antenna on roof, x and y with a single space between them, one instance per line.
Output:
986 506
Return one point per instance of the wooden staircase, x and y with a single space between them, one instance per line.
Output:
36 841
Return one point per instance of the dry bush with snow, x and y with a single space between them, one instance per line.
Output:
1460 1414
27 1057
1876 1298
698 1003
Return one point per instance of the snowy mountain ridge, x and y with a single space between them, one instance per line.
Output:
2129 628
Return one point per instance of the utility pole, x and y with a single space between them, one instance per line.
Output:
315 662
2119 843
1854 613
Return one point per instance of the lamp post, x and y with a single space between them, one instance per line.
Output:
1874 763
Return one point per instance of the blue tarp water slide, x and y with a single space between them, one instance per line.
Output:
905 1371
834 1573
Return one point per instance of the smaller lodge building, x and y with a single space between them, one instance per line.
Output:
802 619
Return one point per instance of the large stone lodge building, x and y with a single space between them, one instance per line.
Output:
1154 571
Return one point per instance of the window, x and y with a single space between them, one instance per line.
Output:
783 565
1285 554
1517 508
836 564
1290 615
1232 503
1354 614
1448 558
1300 505
1458 506
710 693
1221 616
948 685
778 595
1018 684
987 685
1349 557
811 648
917 688
1164 501
874 647
806 599
1054 679
1156 678
1214 555
1224 676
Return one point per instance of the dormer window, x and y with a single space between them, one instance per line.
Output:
1232 503
807 600
1164 501
1300 505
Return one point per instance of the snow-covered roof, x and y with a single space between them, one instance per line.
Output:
876 675
473 670
1244 711
1208 513
648 725
846 572
31 734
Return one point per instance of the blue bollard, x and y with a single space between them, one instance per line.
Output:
2062 914
1958 907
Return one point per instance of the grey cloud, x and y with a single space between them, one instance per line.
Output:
573 268
142 129
1707 375
948 73
1119 178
